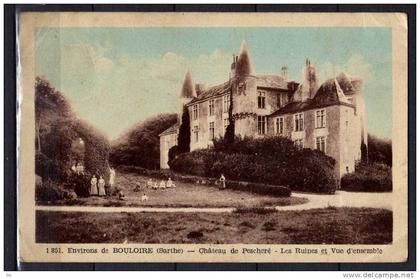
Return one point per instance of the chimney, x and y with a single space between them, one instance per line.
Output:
283 73
199 88
310 80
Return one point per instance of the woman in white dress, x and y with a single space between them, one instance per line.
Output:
111 177
222 185
101 186
93 186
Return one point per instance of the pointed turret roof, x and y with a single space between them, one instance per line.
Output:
243 65
188 89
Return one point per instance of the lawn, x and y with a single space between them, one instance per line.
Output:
184 195
317 226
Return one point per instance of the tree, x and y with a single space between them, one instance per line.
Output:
230 129
184 136
140 146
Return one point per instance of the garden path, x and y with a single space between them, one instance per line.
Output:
340 199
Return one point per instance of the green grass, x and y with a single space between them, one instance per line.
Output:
330 225
184 195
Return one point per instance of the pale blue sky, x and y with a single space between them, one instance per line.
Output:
116 77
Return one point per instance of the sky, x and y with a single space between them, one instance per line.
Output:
117 77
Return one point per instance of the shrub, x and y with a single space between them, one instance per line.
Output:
371 177
274 161
259 188
48 191
379 150
173 152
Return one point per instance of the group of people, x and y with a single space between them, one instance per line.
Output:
78 168
162 185
97 186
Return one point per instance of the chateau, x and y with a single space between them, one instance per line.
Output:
329 117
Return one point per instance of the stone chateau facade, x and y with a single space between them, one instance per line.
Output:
329 117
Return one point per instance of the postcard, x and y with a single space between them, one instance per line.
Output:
212 137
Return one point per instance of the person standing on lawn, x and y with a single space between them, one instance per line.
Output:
93 186
222 185
101 186
111 177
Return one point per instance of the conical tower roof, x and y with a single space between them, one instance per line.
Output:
188 89
243 65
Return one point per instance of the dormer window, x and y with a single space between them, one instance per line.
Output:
261 99
279 100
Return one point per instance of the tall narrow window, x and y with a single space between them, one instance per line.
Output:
211 107
211 131
320 119
261 99
196 133
321 144
299 122
279 125
262 125
195 112
279 100
226 103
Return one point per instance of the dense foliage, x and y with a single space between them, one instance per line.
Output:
140 145
230 129
272 160
57 131
184 136
379 150
371 177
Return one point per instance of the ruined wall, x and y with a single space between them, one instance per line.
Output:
166 142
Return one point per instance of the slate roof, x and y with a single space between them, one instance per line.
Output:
213 91
266 81
271 81
329 93
171 130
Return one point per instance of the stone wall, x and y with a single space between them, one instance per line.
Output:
166 142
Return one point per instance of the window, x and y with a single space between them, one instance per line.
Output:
320 119
299 122
195 112
196 133
299 143
279 100
211 130
279 125
225 123
261 99
262 124
320 144
211 107
226 103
